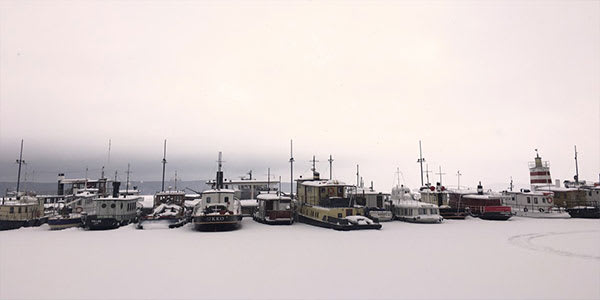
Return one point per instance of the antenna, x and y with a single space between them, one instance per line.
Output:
420 161
398 176
427 173
86 173
164 162
357 177
279 189
175 180
291 170
20 161
109 144
102 173
440 173
511 183
458 175
268 180
115 175
330 160
576 167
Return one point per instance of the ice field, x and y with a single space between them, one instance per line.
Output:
458 259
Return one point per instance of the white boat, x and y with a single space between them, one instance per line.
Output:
218 209
526 203
405 207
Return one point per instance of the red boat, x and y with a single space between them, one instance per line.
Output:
484 206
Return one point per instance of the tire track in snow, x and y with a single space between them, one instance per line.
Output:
526 241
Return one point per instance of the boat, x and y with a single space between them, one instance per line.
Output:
486 206
274 208
439 195
218 209
405 207
111 212
525 203
21 209
70 214
168 209
374 203
327 203
586 212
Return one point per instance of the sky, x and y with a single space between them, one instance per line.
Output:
481 83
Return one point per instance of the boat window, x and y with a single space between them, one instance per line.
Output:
12 210
103 205
112 205
25 208
544 200
340 215
226 199
535 200
19 209
528 200
207 199
340 191
322 190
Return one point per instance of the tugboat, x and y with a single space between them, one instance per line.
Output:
218 209
70 214
439 196
485 206
274 208
111 212
21 209
169 206
326 203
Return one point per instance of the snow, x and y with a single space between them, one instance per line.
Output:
521 258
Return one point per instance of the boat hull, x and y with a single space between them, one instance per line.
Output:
95 223
336 226
217 222
57 224
422 219
587 213
167 223
495 216
11 224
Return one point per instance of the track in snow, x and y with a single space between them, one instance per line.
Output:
526 241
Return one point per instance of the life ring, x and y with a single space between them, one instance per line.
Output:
549 200
541 209
525 209
78 209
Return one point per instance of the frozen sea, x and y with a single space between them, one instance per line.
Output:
459 259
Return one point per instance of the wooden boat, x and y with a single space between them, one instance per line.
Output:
326 203
483 205
274 208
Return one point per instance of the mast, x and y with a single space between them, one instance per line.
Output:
357 177
164 162
330 160
20 161
511 183
175 180
458 176
398 175
576 167
314 165
291 170
440 173
268 180
220 172
420 161
127 185
427 173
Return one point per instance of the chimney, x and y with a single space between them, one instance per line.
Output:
116 185
61 186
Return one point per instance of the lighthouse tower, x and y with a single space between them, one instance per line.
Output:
539 173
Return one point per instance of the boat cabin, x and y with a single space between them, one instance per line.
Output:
170 197
274 208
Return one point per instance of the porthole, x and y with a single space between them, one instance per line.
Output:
113 205
103 205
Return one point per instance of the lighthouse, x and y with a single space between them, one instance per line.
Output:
539 173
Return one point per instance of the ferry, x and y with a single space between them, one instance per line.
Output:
326 203
486 206
218 209
274 208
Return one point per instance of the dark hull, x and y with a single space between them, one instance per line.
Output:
495 216
336 226
56 224
217 222
451 213
274 222
7 225
94 223
584 213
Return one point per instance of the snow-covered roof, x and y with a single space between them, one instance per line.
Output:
413 204
249 202
324 183
269 197
128 198
370 192
171 193
218 191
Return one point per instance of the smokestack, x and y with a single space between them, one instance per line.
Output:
480 189
61 186
116 185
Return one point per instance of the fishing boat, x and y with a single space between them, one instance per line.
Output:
486 206
274 208
218 209
327 203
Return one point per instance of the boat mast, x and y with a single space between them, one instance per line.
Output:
291 170
175 180
314 165
127 185
220 172
20 161
458 176
268 180
330 160
576 167
420 161
357 177
164 162
427 173
440 173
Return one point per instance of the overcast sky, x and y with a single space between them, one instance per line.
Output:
482 84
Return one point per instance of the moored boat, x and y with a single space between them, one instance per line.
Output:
486 206
274 208
111 212
375 203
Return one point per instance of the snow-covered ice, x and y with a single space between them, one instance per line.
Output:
458 259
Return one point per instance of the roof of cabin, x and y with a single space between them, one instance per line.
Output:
270 197
218 191
413 204
324 183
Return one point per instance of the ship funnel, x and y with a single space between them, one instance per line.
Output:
116 185
316 175
480 189
61 186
